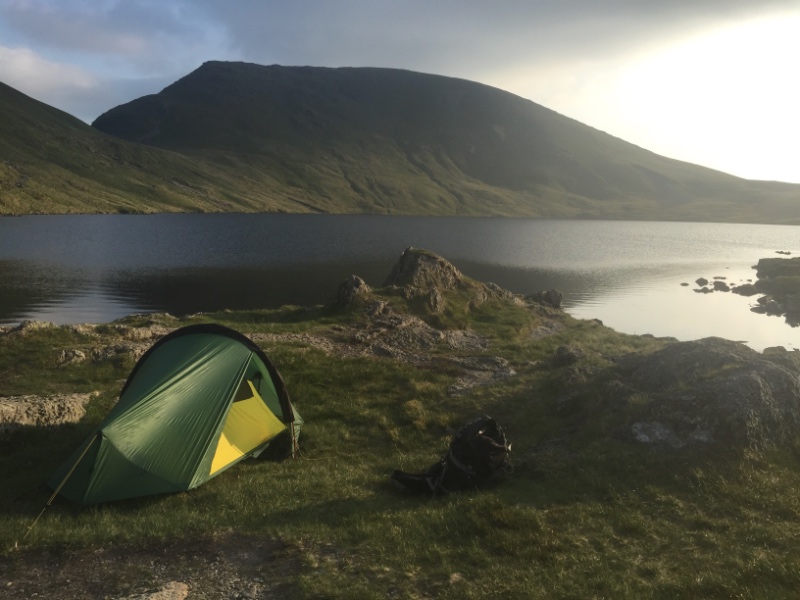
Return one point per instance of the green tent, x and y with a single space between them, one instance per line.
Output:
200 400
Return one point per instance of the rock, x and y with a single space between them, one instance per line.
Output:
565 356
701 281
174 590
704 290
714 390
774 350
767 305
746 289
768 268
29 326
494 291
663 434
552 298
82 328
487 292
351 289
41 411
71 357
779 278
134 350
419 271
423 274
721 286
436 301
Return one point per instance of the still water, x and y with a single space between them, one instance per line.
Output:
96 268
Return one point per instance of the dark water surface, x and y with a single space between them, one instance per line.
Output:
96 268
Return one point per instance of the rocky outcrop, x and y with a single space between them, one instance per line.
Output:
38 411
779 281
419 271
708 391
423 274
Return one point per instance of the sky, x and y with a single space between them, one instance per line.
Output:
710 82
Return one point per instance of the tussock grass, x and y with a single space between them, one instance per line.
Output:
584 514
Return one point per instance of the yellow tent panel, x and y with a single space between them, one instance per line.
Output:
248 425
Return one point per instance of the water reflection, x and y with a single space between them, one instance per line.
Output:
26 287
190 290
96 268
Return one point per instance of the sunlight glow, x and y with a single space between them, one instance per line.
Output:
725 99
735 92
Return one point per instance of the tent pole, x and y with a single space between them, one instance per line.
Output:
61 485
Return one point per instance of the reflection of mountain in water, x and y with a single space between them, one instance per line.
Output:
190 290
27 287
77 295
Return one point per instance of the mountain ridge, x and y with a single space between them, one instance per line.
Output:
255 138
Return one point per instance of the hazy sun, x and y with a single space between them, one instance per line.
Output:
726 99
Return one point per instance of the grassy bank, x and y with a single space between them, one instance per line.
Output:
585 513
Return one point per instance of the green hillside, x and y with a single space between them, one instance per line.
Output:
51 162
237 136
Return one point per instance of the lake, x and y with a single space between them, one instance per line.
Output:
97 268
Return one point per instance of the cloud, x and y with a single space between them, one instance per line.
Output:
27 71
449 35
70 88
137 36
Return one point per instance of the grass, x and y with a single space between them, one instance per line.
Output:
583 515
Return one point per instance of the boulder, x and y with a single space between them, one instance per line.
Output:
71 357
350 289
551 298
710 391
419 271
566 355
423 274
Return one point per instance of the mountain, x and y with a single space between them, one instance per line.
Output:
237 136
53 163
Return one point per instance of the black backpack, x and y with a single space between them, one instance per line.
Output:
477 457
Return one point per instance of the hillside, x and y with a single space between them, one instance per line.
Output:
237 136
51 163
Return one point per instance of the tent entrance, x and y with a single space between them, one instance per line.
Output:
248 425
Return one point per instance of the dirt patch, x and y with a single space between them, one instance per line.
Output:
211 568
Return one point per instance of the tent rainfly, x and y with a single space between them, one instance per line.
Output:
200 400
